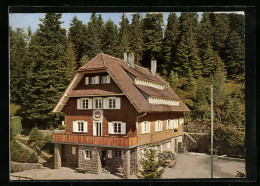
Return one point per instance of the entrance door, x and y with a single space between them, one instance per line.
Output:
97 128
104 158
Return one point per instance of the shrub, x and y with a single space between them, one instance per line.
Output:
48 145
61 127
20 154
15 126
36 137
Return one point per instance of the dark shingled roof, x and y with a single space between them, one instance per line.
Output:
117 69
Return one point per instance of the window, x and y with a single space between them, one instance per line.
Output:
111 103
80 126
88 154
105 79
116 127
94 80
98 103
145 127
169 124
118 154
158 126
175 123
84 103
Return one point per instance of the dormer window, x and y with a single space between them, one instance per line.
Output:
94 80
105 79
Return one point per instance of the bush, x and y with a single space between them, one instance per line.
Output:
15 126
48 145
229 141
61 127
20 154
36 137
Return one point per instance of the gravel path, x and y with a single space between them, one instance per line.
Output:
189 165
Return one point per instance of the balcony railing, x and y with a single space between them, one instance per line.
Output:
95 140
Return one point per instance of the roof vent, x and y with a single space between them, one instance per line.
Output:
130 59
153 67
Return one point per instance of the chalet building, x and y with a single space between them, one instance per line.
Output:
113 109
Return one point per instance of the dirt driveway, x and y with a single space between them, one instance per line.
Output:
189 165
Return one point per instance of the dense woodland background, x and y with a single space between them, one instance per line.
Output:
191 53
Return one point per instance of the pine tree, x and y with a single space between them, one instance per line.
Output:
201 105
208 61
237 24
18 64
235 61
170 41
173 79
205 38
124 35
93 42
187 50
189 81
153 39
136 38
150 166
70 64
220 34
77 36
110 39
232 112
46 78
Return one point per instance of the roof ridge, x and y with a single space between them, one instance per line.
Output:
114 57
89 61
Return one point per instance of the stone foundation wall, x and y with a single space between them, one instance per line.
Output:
71 159
19 167
92 165
133 157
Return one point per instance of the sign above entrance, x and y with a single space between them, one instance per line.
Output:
98 115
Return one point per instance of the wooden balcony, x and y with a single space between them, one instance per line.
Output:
95 140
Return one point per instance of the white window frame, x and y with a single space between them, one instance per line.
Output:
83 128
107 79
118 154
112 125
116 127
100 104
80 103
145 127
169 124
96 80
158 126
88 154
113 104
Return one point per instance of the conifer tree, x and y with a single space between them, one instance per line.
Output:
173 79
201 105
232 112
189 81
153 39
124 35
46 79
237 24
235 61
18 64
220 34
110 39
208 61
77 36
136 38
170 41
150 166
93 42
70 64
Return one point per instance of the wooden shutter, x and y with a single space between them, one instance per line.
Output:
86 80
78 104
148 126
123 128
85 127
108 79
110 128
156 126
167 124
75 126
89 103
143 127
118 103
94 129
110 154
105 100
177 121
97 79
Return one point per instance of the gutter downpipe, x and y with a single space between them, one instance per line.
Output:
136 162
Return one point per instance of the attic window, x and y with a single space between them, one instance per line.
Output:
94 80
105 79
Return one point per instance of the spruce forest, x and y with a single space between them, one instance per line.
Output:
192 53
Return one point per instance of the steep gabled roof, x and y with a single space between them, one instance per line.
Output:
118 70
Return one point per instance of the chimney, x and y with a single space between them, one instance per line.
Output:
129 58
153 67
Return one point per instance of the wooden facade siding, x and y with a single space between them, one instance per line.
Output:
95 140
